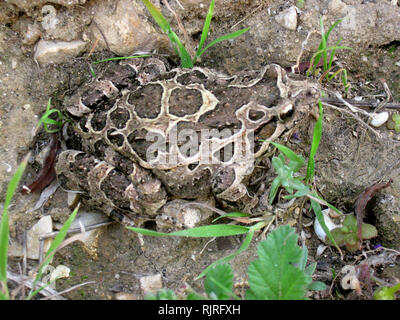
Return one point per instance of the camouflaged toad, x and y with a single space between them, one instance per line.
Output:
143 136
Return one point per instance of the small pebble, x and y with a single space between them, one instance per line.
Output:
151 284
379 119
288 18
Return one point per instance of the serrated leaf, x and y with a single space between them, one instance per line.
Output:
219 281
273 275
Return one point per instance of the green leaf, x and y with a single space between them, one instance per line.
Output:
274 189
186 59
314 146
320 217
52 250
195 296
368 231
224 37
273 275
387 293
232 214
162 294
157 16
217 230
206 27
289 153
3 296
122 58
317 286
47 121
219 282
4 228
228 258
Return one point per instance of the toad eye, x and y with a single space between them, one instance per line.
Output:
286 111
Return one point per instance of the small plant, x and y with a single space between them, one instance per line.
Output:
279 273
394 122
4 227
300 4
322 53
387 293
4 235
47 121
4 230
347 235
186 60
294 184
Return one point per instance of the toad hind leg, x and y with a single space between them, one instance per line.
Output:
124 198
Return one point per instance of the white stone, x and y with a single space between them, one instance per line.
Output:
288 18
43 226
329 223
47 52
151 284
379 119
125 27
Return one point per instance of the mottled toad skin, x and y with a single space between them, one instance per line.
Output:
107 146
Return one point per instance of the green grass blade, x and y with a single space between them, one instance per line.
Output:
228 258
333 54
4 296
206 27
276 183
316 56
324 40
322 49
223 38
320 217
52 250
122 58
157 16
232 214
186 59
331 28
92 70
48 121
314 146
218 230
243 247
4 228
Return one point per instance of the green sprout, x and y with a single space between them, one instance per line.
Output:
186 60
347 235
4 228
394 122
322 53
286 176
47 121
387 293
